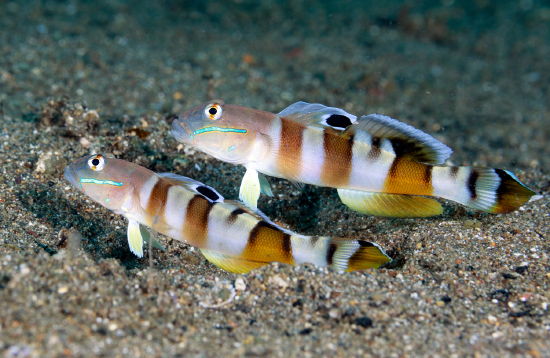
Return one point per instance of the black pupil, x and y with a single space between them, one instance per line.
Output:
95 162
213 111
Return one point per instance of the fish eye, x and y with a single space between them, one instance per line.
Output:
213 111
97 162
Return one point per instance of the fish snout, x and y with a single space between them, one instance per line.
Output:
181 130
69 175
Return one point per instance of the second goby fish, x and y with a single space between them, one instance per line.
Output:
230 235
379 165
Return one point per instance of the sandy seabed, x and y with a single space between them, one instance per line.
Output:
109 76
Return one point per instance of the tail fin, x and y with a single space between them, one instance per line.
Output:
353 255
495 191
511 193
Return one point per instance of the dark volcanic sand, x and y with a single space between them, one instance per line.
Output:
81 77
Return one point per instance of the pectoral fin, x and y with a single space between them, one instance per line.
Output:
265 188
135 240
250 188
389 205
137 234
150 239
231 263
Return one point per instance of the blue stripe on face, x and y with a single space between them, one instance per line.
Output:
100 182
217 129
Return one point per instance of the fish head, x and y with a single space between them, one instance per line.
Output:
226 132
105 180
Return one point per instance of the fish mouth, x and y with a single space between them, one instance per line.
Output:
179 130
71 178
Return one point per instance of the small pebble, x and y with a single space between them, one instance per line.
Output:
277 280
472 224
239 284
85 142
364 322
91 116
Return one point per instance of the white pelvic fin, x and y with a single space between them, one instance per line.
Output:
250 188
318 115
149 239
265 188
135 240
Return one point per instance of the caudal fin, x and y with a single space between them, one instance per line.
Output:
353 255
495 191
511 193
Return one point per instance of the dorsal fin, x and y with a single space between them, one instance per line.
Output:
208 192
405 140
318 115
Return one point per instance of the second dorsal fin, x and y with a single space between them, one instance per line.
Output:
405 140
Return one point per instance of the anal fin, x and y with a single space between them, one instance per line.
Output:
250 188
389 205
231 263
